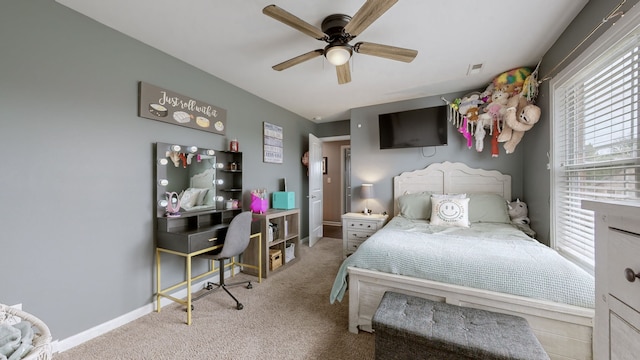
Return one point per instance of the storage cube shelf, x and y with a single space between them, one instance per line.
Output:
286 240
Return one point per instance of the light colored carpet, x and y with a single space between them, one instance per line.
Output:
287 316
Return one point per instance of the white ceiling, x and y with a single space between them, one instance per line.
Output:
234 41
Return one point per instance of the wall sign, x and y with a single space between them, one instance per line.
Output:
273 141
163 105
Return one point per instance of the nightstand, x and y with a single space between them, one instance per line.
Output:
357 227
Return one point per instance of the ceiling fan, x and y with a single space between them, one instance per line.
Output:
338 30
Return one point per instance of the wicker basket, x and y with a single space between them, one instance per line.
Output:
41 340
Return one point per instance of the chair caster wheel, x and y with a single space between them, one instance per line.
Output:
192 308
209 286
249 286
239 306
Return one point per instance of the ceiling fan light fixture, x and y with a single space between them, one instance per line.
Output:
338 54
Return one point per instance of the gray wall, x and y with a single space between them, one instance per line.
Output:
537 142
369 164
334 128
78 171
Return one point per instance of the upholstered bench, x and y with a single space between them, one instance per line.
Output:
409 327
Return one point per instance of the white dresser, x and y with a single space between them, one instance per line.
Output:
357 227
617 275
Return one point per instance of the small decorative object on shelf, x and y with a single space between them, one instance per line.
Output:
173 204
259 201
234 146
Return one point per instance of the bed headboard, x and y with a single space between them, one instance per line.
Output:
450 178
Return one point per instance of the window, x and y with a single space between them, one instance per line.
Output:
595 144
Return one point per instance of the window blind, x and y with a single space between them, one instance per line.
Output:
595 144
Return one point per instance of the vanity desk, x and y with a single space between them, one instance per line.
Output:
192 213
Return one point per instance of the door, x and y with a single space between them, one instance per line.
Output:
315 189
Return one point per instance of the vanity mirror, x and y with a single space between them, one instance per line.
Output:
190 172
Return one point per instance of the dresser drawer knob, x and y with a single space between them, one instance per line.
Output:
631 275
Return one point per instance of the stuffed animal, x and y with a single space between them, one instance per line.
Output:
512 81
494 112
518 212
519 117
469 107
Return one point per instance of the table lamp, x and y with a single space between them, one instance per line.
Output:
366 192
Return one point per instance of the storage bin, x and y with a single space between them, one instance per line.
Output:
284 200
258 204
289 252
275 259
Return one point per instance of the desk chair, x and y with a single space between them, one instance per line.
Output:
235 243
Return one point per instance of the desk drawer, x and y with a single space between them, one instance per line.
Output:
188 242
623 251
202 240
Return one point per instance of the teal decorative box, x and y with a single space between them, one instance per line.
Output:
284 200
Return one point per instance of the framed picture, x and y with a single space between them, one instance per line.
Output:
273 143
324 165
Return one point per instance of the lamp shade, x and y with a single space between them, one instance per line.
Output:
338 55
366 191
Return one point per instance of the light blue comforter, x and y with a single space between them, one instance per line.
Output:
490 256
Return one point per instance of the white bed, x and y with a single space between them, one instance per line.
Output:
565 331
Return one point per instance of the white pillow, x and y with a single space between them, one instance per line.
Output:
189 198
201 196
450 210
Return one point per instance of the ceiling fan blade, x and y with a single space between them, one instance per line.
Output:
344 73
386 51
295 22
366 15
298 59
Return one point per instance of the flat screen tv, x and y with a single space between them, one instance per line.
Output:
413 128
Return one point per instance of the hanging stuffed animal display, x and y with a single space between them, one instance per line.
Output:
504 110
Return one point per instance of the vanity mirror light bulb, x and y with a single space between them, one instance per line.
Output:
219 182
175 148
219 198
163 203
211 152
219 165
193 149
163 182
163 161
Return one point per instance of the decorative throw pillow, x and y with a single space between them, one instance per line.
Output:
487 207
415 206
450 210
189 198
201 196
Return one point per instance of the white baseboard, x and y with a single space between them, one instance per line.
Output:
75 340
